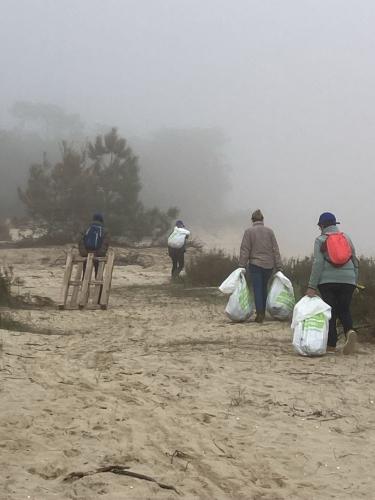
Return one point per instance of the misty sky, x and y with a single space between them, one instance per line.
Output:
290 82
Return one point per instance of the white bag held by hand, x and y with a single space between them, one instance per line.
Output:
239 307
310 324
230 284
280 300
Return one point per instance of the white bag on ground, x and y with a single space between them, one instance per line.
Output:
280 300
240 306
310 324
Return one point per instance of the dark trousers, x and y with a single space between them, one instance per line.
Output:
259 277
339 297
178 259
96 268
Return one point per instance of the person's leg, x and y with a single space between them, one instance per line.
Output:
256 276
180 259
328 293
96 267
345 294
173 256
267 273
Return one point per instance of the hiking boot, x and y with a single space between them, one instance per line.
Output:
259 318
350 343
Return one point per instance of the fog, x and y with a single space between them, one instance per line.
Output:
287 88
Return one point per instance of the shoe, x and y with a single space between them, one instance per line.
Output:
259 318
330 348
350 343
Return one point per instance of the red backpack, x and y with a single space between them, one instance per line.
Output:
337 248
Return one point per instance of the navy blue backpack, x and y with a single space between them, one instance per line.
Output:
93 238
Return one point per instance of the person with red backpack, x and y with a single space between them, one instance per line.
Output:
335 274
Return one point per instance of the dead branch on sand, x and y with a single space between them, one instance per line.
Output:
117 469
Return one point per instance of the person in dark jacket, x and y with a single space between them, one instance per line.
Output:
259 255
94 240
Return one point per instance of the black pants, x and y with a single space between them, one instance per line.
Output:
339 297
178 259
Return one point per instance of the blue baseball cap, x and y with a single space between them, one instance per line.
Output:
327 219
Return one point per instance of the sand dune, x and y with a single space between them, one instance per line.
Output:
163 383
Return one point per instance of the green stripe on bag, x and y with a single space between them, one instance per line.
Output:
244 298
285 298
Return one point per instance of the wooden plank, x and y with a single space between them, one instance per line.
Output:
98 283
85 289
76 284
67 275
107 279
78 258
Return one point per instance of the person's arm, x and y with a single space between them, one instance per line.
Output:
317 268
276 253
102 252
81 246
245 250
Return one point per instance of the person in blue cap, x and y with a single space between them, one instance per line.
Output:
334 274
177 247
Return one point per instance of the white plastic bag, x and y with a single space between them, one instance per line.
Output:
178 238
240 306
280 300
310 324
230 284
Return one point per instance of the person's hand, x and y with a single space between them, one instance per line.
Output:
311 292
243 270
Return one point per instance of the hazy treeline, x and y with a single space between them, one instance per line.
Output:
178 167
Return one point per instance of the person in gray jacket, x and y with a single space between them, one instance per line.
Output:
259 255
336 283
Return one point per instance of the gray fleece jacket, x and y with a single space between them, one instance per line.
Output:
259 247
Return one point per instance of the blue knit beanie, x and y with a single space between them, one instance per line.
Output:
98 218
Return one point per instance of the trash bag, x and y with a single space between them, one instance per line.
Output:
310 324
230 284
280 300
240 306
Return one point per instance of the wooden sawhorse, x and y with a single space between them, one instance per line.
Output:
83 292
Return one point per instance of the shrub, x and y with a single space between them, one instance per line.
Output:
4 231
6 278
298 271
210 268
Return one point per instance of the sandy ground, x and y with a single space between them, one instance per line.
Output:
163 383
